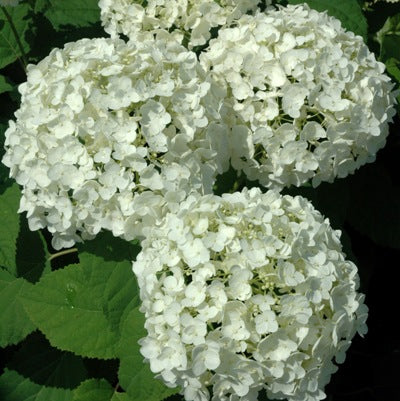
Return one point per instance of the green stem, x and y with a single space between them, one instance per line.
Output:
23 59
62 253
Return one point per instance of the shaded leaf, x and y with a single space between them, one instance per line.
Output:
393 68
15 387
135 375
388 36
9 218
15 323
9 49
46 365
348 12
32 256
79 307
93 390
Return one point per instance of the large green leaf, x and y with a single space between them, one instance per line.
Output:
79 307
9 49
134 375
16 387
70 12
93 390
15 323
348 12
9 219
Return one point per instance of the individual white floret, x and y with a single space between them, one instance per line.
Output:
192 19
109 132
306 99
269 307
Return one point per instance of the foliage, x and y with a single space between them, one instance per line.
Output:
63 313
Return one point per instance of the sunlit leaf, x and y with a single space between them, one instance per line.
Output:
79 307
93 390
15 323
9 49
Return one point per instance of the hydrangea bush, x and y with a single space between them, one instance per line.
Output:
247 291
164 143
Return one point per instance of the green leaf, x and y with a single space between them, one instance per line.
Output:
72 12
15 323
348 12
393 68
79 307
121 397
16 387
389 40
134 375
9 202
4 85
93 390
374 209
9 49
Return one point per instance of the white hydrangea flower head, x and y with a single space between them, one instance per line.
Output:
193 18
245 292
107 132
306 99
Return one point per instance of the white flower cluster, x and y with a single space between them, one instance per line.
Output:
107 132
193 18
245 292
306 99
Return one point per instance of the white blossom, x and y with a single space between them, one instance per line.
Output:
270 307
192 19
105 137
306 100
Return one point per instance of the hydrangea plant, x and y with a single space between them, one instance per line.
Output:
170 142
